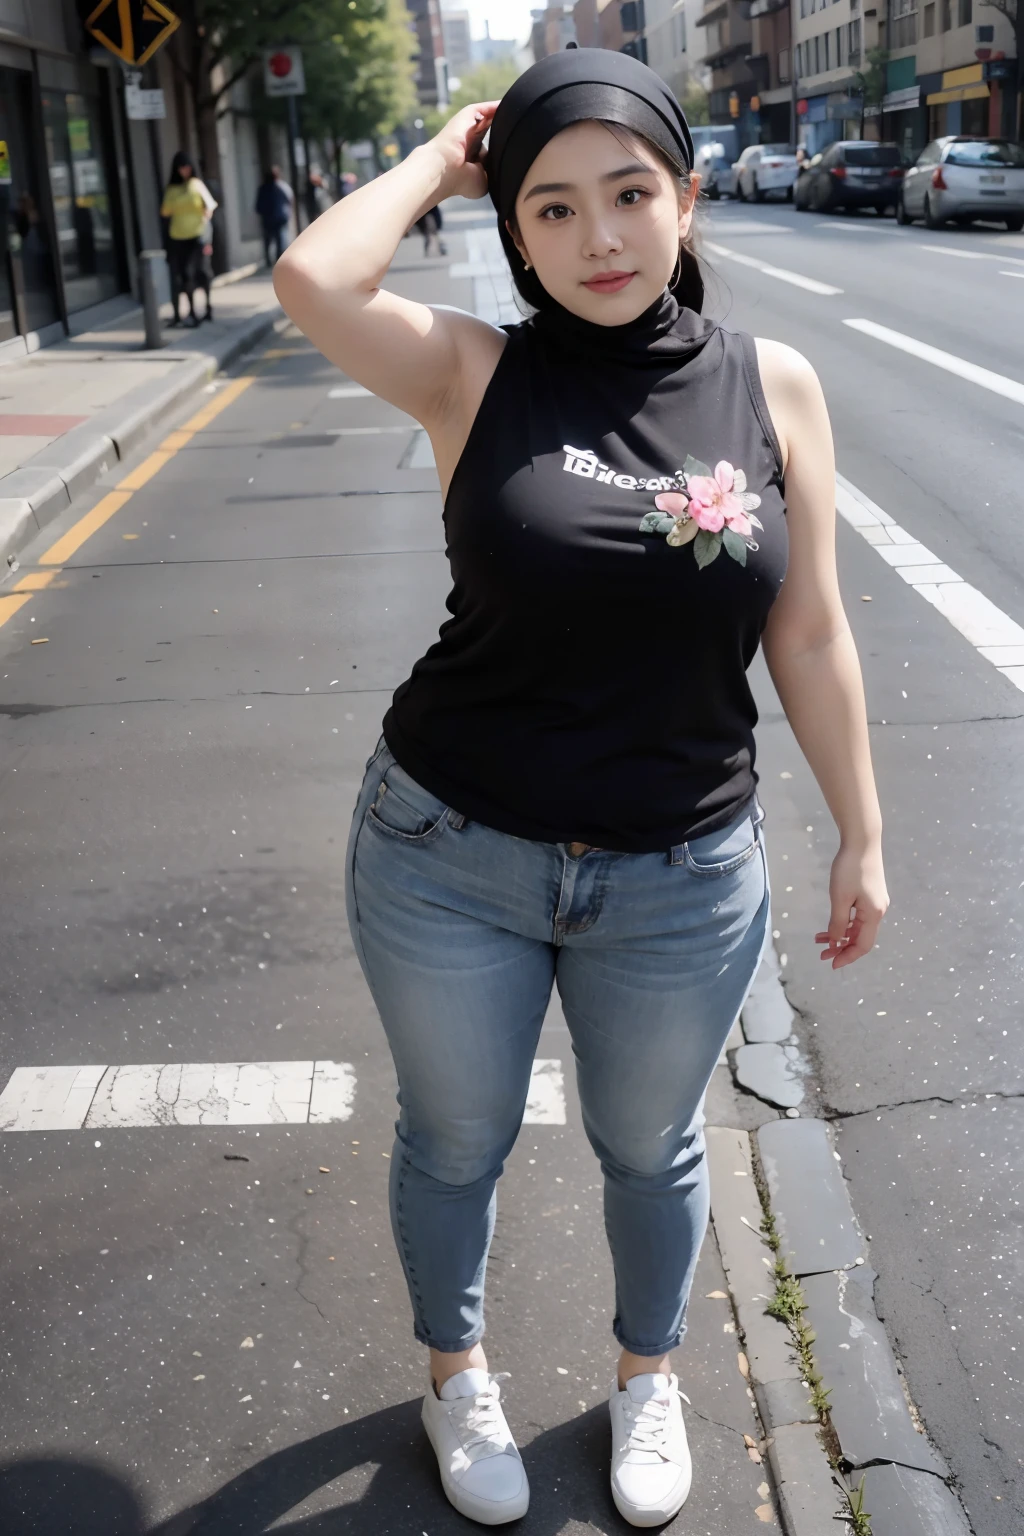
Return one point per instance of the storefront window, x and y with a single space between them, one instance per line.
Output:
28 295
81 201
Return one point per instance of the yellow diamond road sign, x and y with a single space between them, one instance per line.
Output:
132 29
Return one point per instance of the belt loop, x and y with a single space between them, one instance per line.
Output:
456 820
677 854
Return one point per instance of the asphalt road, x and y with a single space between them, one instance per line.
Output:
919 1049
177 768
205 1329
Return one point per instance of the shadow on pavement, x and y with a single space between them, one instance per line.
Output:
59 1496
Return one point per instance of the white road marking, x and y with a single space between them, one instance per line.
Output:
213 1093
952 250
545 1102
178 1093
494 297
811 284
348 392
1010 274
740 226
995 636
998 383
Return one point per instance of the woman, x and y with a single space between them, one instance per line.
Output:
189 205
564 791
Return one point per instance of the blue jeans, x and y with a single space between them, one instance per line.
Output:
461 932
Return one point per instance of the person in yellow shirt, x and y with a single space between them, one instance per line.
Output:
188 204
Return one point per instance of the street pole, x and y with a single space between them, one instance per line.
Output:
793 92
293 164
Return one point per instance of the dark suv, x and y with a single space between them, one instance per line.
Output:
855 173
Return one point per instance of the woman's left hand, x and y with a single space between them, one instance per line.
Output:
859 902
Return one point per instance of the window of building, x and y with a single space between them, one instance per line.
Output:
966 13
827 40
928 29
783 66
81 199
945 16
25 249
680 31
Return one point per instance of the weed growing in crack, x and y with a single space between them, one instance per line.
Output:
788 1305
858 1519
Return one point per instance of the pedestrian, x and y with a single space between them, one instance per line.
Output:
429 226
189 205
274 203
564 791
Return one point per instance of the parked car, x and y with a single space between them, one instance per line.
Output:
802 185
717 177
965 179
765 168
853 173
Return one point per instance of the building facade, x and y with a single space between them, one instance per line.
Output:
675 43
833 39
458 42
728 42
431 67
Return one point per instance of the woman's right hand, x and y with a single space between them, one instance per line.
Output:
459 144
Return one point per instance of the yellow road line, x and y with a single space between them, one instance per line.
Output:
33 581
69 543
10 605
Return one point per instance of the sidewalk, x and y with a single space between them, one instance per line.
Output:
70 411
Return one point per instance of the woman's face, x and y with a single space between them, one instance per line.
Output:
185 172
588 208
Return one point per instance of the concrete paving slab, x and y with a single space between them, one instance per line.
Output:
868 1407
737 1214
784 1402
772 1072
903 1502
767 1016
813 1214
809 1495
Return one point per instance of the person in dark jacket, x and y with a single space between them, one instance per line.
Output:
274 202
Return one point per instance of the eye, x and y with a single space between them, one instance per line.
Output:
559 208
638 192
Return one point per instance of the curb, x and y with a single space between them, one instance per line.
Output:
870 1438
52 479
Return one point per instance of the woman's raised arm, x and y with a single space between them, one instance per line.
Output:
328 280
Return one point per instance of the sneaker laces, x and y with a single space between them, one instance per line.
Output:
648 1422
480 1421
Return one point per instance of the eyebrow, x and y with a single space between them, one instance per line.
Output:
634 169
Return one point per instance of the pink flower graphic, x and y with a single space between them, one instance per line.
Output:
672 502
715 500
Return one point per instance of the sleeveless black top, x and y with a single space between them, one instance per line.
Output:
591 684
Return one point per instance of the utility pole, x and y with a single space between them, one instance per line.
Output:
793 90
293 164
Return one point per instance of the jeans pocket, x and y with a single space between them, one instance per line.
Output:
722 852
403 809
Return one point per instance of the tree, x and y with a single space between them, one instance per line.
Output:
485 82
220 41
361 83
695 104
871 82
1013 10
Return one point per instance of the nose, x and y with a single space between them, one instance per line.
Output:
600 239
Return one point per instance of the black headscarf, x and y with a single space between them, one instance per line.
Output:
579 85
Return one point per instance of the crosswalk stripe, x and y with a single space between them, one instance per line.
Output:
213 1093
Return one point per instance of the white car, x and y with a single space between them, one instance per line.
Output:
716 171
765 168
965 179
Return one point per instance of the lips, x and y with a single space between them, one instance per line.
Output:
609 282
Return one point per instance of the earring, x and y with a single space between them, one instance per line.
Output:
526 266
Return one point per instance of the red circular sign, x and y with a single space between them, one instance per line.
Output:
281 65
801 108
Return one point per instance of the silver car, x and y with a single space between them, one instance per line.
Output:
965 179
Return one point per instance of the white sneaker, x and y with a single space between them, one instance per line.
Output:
650 1457
481 1470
